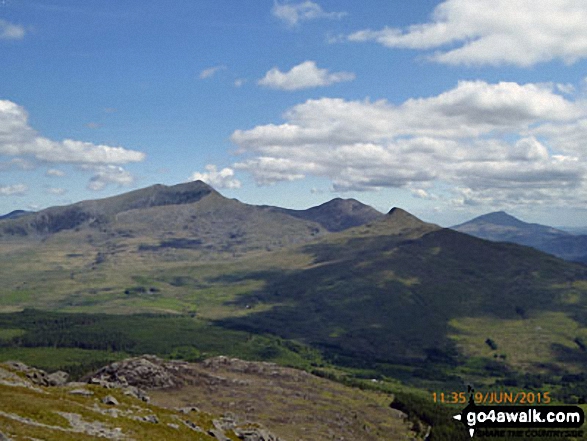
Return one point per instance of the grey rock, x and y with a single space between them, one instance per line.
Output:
186 410
58 378
224 424
151 419
147 372
82 392
256 435
37 377
135 392
193 426
110 400
218 434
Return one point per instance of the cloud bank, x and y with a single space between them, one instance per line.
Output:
494 32
19 140
506 142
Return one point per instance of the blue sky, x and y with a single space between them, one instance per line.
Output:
448 109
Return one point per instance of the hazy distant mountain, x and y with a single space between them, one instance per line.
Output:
15 214
502 227
574 230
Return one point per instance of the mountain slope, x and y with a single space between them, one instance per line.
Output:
190 216
336 215
95 212
392 294
396 290
502 227
185 216
15 214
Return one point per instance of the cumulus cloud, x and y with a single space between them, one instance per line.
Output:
494 32
108 174
523 140
217 178
294 13
303 76
56 191
18 139
211 71
17 163
10 31
13 190
55 173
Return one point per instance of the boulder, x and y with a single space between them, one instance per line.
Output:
110 400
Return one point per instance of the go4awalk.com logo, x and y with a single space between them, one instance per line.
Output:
538 421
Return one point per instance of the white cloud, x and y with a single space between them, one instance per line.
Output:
13 190
482 137
79 152
494 32
9 31
239 82
56 191
211 71
17 163
108 174
303 76
20 140
567 89
17 138
420 193
217 179
294 13
55 173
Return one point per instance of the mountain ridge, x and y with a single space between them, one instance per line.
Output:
189 211
335 215
502 227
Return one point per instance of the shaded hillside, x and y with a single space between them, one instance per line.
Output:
336 215
501 227
387 293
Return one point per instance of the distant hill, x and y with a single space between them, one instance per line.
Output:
336 215
502 227
396 290
15 214
191 216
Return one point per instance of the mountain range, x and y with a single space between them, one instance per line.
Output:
183 271
502 227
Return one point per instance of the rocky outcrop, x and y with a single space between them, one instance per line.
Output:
40 377
146 372
110 405
149 372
